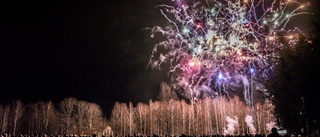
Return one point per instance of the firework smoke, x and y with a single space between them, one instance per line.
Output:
231 126
271 125
249 121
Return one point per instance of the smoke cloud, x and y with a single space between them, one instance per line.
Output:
270 125
231 126
249 120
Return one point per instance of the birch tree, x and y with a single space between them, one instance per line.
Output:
119 118
66 109
17 112
94 115
81 108
4 113
184 113
47 110
130 115
142 110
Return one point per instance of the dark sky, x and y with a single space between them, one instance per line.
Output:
95 51
92 50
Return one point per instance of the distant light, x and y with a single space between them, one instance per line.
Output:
198 26
271 38
217 48
252 70
247 25
220 76
265 22
185 30
192 63
210 22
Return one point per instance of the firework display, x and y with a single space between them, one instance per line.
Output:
221 47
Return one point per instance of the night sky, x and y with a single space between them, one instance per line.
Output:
95 51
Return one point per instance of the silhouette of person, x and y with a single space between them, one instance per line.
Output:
274 133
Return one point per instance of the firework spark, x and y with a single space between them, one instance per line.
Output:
220 47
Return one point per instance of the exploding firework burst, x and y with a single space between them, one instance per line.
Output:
220 47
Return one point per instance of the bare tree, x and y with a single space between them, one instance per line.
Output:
17 112
125 119
169 114
207 116
4 112
154 117
130 115
184 120
81 109
66 109
47 110
34 118
151 111
94 115
142 110
116 118
258 116
237 108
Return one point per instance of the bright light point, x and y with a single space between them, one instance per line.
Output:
276 15
287 15
271 38
290 37
251 70
213 10
192 63
276 22
217 48
265 22
210 22
198 26
220 76
185 30
302 6
247 25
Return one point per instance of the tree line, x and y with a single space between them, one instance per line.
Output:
205 117
70 116
208 116
167 116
